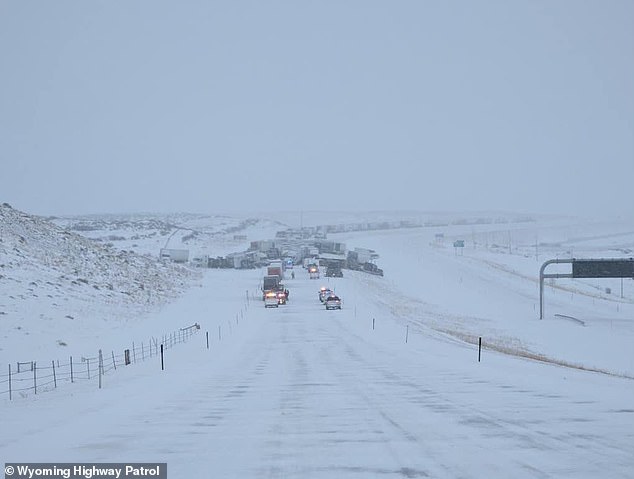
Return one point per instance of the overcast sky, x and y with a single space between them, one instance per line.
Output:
209 106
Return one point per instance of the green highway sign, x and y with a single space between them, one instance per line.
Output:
609 268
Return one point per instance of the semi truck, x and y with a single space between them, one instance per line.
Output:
313 271
276 268
274 271
271 283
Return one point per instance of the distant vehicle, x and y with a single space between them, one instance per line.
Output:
175 255
311 259
334 272
282 296
333 302
270 283
271 300
313 271
201 261
275 270
372 269
324 293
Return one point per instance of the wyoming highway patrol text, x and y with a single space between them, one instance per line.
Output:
87 471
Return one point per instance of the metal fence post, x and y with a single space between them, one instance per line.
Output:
100 367
479 347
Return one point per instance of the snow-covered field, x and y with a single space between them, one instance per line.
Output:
390 386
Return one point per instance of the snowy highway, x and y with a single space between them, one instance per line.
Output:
299 391
466 166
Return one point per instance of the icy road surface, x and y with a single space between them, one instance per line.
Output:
301 392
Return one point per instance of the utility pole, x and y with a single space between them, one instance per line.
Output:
536 249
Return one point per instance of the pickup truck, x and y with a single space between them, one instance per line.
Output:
271 300
333 302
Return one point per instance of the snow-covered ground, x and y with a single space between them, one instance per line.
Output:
492 291
213 235
390 386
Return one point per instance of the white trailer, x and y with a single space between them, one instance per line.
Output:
201 261
175 255
365 255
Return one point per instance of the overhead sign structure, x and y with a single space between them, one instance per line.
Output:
458 244
602 269
587 268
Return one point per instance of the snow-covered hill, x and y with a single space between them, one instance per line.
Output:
55 280
147 233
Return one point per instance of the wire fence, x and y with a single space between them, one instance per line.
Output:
24 378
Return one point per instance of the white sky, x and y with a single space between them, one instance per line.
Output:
234 106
